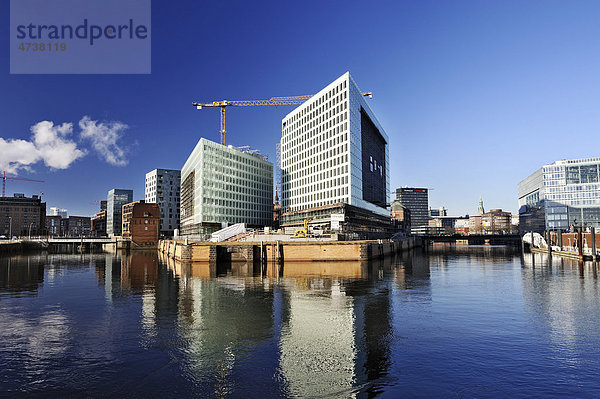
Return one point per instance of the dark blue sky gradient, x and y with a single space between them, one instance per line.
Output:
473 95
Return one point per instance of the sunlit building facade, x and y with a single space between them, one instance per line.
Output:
223 185
561 195
334 153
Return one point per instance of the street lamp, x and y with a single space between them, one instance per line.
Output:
10 228
30 224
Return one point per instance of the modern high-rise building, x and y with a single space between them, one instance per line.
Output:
561 195
417 202
114 212
162 188
335 162
223 185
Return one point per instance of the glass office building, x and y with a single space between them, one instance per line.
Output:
334 151
225 185
114 209
561 195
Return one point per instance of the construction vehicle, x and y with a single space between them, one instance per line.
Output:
303 233
293 100
4 178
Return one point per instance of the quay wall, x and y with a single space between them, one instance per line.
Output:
272 252
9 247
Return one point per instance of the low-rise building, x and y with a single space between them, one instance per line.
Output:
496 221
141 223
446 224
54 225
461 226
21 216
400 216
78 226
72 226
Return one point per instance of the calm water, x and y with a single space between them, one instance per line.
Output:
478 322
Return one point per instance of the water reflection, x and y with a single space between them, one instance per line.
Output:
141 325
559 302
21 274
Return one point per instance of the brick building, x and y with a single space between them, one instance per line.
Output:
72 226
141 223
400 216
20 216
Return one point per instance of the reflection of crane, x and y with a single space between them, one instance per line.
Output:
4 178
294 100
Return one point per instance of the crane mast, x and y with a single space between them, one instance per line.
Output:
4 178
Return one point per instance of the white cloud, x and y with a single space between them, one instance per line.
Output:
56 151
49 144
104 137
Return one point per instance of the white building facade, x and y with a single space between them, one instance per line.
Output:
163 188
54 211
560 195
225 185
335 151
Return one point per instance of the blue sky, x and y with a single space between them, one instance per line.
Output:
473 95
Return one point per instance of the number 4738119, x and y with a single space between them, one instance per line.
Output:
42 46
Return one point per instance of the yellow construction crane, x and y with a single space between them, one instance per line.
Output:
294 100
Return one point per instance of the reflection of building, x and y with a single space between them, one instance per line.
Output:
141 223
21 274
334 161
139 270
115 201
21 216
559 195
162 188
225 184
351 325
417 201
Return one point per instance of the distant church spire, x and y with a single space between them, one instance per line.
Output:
481 211
276 197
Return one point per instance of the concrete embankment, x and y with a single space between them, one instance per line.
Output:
8 247
301 251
